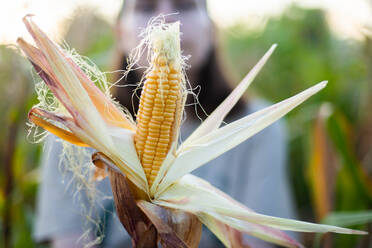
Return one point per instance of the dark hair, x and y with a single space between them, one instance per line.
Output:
214 88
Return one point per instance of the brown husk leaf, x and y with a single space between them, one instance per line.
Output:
145 222
176 228
139 227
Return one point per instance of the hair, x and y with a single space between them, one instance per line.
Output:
213 85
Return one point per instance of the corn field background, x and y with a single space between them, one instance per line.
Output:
330 150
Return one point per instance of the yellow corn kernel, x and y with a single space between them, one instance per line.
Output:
158 115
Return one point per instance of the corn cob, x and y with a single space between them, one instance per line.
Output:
159 114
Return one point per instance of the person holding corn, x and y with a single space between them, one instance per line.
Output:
246 173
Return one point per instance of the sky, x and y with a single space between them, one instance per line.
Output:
347 17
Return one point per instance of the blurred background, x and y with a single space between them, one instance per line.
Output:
330 142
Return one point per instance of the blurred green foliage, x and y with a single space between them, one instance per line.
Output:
19 158
308 52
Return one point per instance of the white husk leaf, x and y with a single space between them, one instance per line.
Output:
215 119
126 152
213 226
195 195
213 221
90 126
217 142
75 91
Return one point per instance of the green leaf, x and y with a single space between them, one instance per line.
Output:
348 218
345 219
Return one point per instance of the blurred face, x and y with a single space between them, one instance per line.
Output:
196 27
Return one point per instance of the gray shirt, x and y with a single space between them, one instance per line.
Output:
254 173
